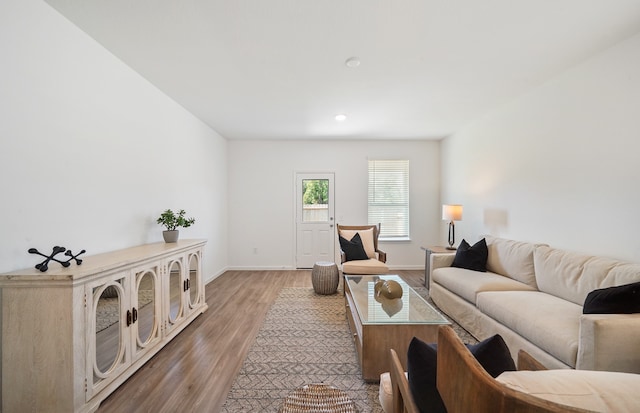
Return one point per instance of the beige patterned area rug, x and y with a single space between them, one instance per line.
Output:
304 339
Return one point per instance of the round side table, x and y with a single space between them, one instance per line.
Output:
325 277
318 398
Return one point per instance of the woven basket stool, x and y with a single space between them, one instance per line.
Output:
325 277
318 398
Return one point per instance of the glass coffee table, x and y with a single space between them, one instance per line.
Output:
379 324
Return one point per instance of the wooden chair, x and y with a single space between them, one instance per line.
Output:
462 382
465 386
372 265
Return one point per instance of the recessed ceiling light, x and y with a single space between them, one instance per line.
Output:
352 62
341 117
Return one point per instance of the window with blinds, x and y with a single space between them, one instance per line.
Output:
389 197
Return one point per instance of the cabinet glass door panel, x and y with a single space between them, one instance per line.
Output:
108 311
194 288
175 291
145 308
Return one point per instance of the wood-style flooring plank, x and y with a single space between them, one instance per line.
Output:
195 371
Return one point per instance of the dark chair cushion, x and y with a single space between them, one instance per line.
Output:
353 249
492 353
422 364
472 257
623 299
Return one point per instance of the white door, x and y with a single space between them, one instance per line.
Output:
315 231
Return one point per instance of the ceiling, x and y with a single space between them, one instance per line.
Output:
275 69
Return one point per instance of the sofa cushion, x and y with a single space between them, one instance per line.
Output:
623 299
549 322
366 235
353 249
370 266
600 391
467 284
471 257
512 259
492 354
572 276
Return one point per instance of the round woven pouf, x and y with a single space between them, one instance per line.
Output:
318 398
325 277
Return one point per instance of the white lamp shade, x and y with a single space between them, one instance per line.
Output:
452 212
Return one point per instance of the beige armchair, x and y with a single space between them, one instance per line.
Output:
376 258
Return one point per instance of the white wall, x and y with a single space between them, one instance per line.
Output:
91 152
262 174
558 165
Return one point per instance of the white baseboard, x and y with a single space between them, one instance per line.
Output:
207 280
406 267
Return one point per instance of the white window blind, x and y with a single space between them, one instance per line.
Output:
389 197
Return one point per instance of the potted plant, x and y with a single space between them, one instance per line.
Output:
171 222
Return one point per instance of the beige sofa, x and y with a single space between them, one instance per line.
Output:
533 295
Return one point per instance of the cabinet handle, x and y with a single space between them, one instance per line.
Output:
184 285
135 314
128 318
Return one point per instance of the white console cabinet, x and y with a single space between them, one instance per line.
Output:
71 336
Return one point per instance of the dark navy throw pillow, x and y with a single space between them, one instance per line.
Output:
353 249
472 257
622 299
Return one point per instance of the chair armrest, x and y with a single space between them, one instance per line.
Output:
527 362
382 256
609 342
343 257
402 397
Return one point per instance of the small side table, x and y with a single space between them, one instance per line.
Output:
325 277
427 263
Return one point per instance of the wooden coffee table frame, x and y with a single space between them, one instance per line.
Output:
373 341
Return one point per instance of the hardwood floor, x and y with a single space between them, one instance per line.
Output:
195 371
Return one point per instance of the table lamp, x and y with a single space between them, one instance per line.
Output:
452 213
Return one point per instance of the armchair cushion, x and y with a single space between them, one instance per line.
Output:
385 392
353 248
366 235
600 391
370 266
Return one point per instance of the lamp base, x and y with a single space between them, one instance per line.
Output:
452 236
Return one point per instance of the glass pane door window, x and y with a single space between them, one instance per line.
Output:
315 200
